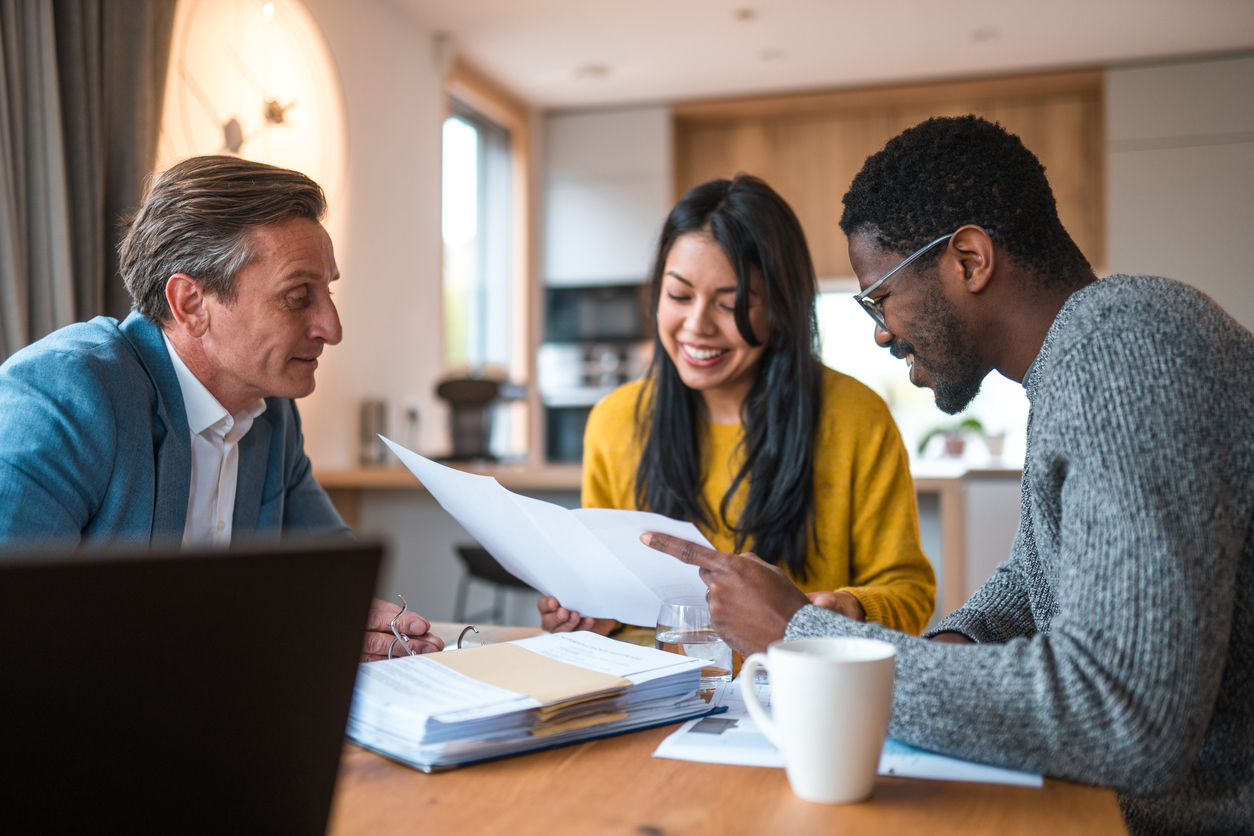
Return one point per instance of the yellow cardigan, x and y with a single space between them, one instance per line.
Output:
866 514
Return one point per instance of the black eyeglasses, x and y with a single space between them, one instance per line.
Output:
872 306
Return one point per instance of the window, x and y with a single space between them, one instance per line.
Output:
478 289
847 336
476 225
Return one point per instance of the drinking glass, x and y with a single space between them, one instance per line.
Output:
683 627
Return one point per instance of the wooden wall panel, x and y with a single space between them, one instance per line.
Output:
809 147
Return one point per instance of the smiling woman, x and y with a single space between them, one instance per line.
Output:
740 429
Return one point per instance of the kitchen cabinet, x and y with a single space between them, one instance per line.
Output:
809 146
607 192
1181 175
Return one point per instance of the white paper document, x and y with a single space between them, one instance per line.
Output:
590 559
733 738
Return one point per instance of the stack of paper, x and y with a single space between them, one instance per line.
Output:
590 559
447 709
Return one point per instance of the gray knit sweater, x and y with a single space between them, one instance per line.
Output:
1116 645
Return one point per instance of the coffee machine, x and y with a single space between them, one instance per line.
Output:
472 401
595 340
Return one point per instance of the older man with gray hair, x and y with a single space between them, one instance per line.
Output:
178 425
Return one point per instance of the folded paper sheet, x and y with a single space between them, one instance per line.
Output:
590 559
733 738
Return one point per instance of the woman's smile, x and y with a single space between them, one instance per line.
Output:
701 356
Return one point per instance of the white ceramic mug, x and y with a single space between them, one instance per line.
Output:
831 699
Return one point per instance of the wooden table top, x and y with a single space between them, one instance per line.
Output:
614 786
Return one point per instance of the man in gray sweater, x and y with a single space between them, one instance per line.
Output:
1116 645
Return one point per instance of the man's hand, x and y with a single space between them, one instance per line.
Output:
554 618
379 633
751 601
839 601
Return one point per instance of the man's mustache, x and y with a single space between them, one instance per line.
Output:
900 349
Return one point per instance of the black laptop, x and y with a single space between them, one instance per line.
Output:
184 692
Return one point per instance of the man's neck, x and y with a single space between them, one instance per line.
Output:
1022 326
191 352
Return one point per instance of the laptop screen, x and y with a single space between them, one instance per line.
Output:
206 692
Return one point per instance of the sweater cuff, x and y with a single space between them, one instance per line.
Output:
970 623
872 603
811 622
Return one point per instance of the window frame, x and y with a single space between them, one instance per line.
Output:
472 91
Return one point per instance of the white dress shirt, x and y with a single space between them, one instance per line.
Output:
215 436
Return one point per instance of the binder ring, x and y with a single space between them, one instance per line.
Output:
404 640
469 627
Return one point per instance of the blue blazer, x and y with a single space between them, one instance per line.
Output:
95 448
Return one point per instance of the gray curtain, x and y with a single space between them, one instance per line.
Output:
81 87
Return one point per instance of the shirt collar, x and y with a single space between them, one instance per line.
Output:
203 409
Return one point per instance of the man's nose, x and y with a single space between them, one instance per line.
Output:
326 325
883 337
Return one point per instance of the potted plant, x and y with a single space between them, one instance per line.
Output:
955 436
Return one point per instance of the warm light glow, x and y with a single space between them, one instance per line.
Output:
263 88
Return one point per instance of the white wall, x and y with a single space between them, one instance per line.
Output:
386 230
608 190
1181 175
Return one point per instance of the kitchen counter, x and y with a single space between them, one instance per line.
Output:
345 486
516 477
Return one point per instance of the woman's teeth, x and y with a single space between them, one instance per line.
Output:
703 354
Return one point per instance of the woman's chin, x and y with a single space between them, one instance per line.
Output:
701 380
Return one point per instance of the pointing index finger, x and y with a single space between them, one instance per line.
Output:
686 551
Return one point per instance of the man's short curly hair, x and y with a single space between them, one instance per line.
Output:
951 171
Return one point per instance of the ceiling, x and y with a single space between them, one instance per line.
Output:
579 53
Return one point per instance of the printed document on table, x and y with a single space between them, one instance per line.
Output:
733 738
419 689
605 655
590 559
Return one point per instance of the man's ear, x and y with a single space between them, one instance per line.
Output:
975 256
186 297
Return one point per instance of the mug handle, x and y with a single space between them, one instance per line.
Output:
748 677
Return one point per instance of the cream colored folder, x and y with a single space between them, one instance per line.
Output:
555 685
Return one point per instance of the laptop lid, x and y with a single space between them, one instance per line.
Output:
180 692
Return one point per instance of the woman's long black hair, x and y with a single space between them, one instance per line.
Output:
756 230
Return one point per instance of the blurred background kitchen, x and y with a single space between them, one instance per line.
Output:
498 171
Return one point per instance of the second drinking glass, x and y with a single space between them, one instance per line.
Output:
683 627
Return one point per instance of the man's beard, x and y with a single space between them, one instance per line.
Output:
943 349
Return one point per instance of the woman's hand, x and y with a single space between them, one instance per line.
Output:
844 603
554 618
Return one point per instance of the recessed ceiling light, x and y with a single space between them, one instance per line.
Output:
984 34
592 71
745 14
